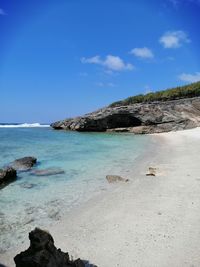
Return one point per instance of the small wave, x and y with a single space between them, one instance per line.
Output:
23 125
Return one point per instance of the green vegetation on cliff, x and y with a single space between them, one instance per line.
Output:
187 91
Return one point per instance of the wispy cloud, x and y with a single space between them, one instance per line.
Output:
92 60
143 52
2 12
195 1
83 74
188 77
174 39
177 3
102 84
147 89
113 63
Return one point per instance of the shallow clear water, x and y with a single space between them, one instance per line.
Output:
86 159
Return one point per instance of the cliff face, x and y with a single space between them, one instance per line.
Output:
139 118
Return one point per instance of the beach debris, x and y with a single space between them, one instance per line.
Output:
152 172
7 175
43 253
115 178
23 164
47 172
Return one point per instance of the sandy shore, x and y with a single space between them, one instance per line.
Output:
147 222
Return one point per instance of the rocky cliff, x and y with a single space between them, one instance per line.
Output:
154 117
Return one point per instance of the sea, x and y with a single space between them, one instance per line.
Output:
85 158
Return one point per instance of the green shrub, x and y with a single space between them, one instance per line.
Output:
186 91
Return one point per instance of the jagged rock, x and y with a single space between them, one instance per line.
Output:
139 118
7 175
24 164
115 178
43 253
47 172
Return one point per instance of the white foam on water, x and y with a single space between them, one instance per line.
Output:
24 125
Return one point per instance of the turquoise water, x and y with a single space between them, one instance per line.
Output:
86 159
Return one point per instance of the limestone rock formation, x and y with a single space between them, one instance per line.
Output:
155 117
43 253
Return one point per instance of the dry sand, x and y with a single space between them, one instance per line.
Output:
150 221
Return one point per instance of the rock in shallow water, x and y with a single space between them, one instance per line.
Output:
43 253
24 164
7 175
27 185
47 172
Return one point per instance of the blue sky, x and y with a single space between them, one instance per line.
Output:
62 58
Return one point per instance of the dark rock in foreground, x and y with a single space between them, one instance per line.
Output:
47 172
7 175
43 253
139 118
24 164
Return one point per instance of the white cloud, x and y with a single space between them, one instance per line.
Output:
113 63
174 39
116 63
2 12
143 52
188 77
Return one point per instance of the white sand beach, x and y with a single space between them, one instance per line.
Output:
150 221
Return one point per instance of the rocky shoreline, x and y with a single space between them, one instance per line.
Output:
9 173
140 118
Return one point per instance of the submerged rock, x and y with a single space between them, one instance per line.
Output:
7 175
47 172
27 185
24 164
43 253
115 178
